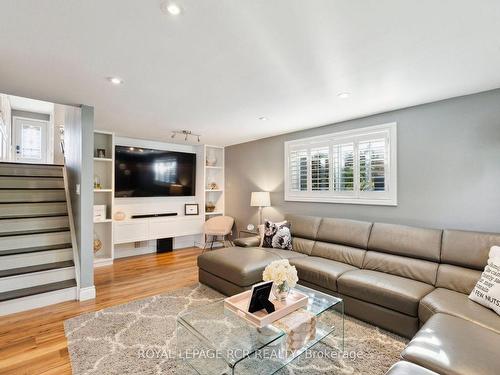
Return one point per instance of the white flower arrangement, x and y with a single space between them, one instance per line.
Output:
280 271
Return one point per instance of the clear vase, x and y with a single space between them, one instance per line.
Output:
281 291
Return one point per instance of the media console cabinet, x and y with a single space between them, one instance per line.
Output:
153 228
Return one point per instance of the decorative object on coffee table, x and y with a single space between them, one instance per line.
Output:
260 199
284 277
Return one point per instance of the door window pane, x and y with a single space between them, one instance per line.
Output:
31 142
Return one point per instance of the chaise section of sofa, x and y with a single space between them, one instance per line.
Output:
393 276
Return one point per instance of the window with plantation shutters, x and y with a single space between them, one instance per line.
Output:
320 169
298 170
356 166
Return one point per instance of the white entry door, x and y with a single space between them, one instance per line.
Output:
30 140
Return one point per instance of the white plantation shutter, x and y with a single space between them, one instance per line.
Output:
298 170
343 167
355 166
372 160
320 168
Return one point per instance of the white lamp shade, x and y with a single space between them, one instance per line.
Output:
260 199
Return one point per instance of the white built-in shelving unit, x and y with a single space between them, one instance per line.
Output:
214 173
104 195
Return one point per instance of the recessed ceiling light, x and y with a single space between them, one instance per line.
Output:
173 8
344 95
263 118
115 80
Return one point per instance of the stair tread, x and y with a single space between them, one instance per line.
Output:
36 268
32 216
44 189
31 164
27 202
28 176
35 249
34 231
39 289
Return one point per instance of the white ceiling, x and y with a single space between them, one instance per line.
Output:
222 64
31 105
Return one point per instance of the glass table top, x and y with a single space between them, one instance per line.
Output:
235 338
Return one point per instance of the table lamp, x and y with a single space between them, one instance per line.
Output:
260 199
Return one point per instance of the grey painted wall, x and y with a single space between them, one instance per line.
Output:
448 168
79 145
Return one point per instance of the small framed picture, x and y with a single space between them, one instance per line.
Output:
191 209
101 153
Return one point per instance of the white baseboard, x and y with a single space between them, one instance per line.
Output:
87 293
36 301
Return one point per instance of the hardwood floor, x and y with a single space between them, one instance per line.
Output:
33 342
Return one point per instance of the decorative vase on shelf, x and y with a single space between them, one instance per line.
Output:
281 291
211 160
97 243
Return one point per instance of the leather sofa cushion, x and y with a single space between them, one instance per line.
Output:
283 254
450 345
390 291
241 266
467 249
344 232
319 271
408 368
407 241
302 245
252 241
457 304
303 226
456 278
416 269
340 253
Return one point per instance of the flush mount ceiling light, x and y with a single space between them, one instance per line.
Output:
115 80
170 8
185 133
344 95
263 118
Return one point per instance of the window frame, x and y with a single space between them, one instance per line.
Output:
386 198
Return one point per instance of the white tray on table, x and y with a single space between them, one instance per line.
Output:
239 305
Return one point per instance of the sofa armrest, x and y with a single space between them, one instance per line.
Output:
253 241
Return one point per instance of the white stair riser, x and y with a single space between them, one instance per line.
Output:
36 278
34 240
8 262
32 196
12 225
7 169
38 300
28 209
11 182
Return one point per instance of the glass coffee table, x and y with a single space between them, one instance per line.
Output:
214 340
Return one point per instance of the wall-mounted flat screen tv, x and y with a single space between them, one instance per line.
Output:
143 172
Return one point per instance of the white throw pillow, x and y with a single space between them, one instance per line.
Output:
487 290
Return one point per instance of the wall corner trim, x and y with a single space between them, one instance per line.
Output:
87 293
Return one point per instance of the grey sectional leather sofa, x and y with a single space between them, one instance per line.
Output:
394 276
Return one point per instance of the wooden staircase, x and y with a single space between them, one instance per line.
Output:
36 253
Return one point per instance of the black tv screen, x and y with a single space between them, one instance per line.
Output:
143 172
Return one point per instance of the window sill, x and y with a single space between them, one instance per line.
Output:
341 200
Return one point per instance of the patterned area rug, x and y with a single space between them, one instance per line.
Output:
139 338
